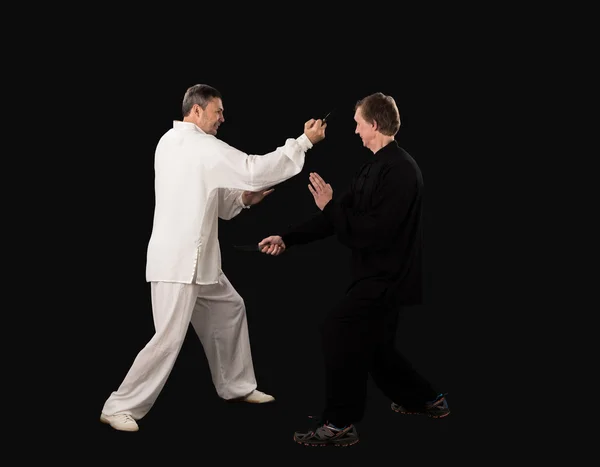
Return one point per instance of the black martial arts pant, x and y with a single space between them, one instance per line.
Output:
358 339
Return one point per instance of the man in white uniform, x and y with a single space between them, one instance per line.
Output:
198 179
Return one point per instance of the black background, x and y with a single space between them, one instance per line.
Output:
267 96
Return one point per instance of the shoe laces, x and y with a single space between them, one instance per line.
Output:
316 423
319 422
124 417
439 401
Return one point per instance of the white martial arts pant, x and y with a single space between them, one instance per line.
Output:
218 315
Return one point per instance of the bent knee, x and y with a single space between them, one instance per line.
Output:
238 304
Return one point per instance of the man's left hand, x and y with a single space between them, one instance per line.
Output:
250 198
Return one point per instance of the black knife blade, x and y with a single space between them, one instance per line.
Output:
253 247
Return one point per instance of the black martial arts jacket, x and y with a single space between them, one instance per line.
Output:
380 219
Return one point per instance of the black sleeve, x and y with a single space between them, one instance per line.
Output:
315 228
391 202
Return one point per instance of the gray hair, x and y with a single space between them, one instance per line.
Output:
200 94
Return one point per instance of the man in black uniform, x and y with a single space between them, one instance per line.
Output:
380 220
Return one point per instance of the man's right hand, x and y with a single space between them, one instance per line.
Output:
315 130
272 245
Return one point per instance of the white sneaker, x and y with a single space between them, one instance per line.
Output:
258 397
120 421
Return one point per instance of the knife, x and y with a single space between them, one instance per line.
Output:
253 247
327 116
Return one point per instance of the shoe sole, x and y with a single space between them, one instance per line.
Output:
241 399
341 444
423 414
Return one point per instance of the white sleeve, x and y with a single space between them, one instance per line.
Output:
230 203
234 169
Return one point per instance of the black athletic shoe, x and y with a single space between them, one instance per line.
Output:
437 408
325 434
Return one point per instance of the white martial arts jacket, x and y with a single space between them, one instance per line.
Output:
199 178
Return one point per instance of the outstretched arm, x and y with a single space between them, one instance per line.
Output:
235 169
317 227
231 202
